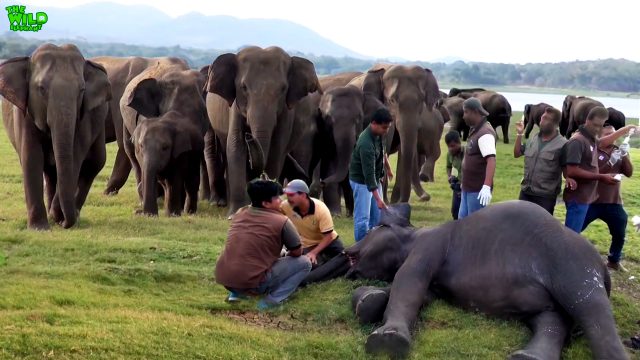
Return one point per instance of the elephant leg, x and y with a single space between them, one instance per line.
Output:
417 187
131 153
236 155
32 159
120 173
51 180
192 183
97 156
549 333
205 192
209 163
174 194
337 266
347 193
331 197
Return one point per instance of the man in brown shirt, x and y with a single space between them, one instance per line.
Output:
250 262
581 163
608 206
479 162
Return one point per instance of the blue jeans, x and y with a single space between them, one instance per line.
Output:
282 279
576 214
469 204
616 219
366 214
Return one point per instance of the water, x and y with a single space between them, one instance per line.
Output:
629 107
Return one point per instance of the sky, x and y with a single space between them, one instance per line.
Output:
481 30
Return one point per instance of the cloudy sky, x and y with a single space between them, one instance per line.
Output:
476 30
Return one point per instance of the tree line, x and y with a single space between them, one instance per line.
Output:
606 75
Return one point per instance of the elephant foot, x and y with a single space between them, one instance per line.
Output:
221 202
141 212
524 355
111 191
370 307
425 197
388 340
40 225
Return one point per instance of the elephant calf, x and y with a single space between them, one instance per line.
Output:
169 150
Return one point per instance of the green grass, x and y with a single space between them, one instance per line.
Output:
119 286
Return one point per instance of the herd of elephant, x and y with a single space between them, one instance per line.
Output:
188 133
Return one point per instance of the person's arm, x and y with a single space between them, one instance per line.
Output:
609 140
487 145
490 171
326 240
569 182
449 165
325 225
291 239
368 159
518 148
627 167
575 172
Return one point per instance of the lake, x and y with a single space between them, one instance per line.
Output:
630 107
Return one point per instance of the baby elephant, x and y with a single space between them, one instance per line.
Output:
169 151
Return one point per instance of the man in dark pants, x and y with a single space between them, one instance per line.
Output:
608 206
454 163
581 164
542 180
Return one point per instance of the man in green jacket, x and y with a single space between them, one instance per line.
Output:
365 172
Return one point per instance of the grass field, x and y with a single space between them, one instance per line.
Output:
120 286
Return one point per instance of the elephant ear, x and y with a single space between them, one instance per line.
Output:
187 139
146 97
302 80
221 79
14 84
97 88
396 214
431 89
373 83
204 71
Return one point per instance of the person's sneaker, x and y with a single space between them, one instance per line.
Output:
616 266
265 304
234 297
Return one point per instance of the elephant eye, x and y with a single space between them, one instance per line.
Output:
244 87
42 90
165 147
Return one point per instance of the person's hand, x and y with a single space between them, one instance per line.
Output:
624 149
312 257
608 179
451 179
520 126
381 204
389 174
571 183
615 157
485 195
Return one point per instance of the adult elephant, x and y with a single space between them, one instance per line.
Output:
463 263
455 91
54 109
574 113
261 88
616 118
499 111
153 93
411 94
532 115
120 71
336 80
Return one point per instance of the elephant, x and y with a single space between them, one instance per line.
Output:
463 262
455 111
455 91
532 115
54 108
411 94
170 149
260 88
341 79
574 113
120 71
616 118
499 110
153 93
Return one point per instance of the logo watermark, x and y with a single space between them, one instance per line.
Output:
20 20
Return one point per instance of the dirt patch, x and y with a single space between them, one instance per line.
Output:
265 320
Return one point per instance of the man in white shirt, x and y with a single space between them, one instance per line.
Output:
479 163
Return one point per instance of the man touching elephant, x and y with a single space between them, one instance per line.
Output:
365 171
479 163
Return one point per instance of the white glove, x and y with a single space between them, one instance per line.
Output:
615 156
624 148
636 222
485 195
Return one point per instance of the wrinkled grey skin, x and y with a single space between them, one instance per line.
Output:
454 108
574 113
54 108
120 71
150 95
169 150
464 263
499 111
261 88
411 94
532 115
455 91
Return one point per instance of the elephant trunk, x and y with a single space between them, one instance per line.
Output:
62 122
150 191
262 120
343 156
256 155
